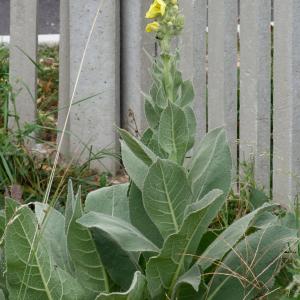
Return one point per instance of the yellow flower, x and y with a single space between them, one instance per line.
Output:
158 7
152 26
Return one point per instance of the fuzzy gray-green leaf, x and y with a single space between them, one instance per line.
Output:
53 223
152 114
192 124
83 252
158 95
139 217
150 139
11 206
119 264
166 194
192 278
135 292
111 200
247 272
136 158
31 271
211 167
228 238
138 148
164 270
128 237
187 94
173 132
2 223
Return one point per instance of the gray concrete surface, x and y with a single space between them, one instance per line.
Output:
93 122
48 17
22 71
255 87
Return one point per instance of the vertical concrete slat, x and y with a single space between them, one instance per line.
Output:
286 165
135 63
93 121
23 43
192 45
255 87
222 68
64 76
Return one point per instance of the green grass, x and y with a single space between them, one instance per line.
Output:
24 174
47 92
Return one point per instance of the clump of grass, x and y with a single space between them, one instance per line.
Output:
239 203
4 86
24 172
48 82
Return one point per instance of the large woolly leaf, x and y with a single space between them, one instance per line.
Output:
53 223
166 194
135 292
120 264
173 132
187 292
152 114
192 124
228 238
139 217
191 278
211 167
83 252
2 223
113 201
138 148
2 297
11 206
172 78
110 200
31 271
127 236
2 272
187 94
135 168
158 95
164 270
136 157
150 139
248 271
70 204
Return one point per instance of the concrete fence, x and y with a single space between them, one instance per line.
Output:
247 80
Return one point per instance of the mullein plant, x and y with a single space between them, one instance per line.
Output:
150 239
169 95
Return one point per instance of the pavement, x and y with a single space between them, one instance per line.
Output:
48 18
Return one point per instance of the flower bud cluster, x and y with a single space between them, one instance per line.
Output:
167 20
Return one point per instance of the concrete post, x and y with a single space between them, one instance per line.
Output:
222 68
92 122
23 47
255 89
136 78
286 166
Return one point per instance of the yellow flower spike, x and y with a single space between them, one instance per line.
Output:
158 7
154 26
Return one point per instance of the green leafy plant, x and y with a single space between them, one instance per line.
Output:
288 280
150 239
